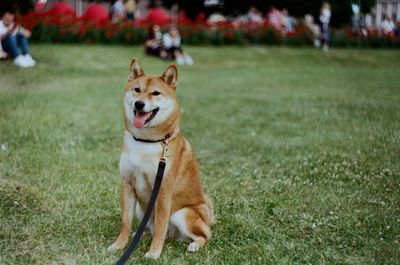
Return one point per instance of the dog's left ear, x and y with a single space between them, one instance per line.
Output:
170 76
135 70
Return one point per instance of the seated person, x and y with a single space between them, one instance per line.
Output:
14 40
172 47
153 43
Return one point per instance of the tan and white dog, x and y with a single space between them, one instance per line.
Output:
182 210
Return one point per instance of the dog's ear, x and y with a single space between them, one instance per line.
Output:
135 70
170 76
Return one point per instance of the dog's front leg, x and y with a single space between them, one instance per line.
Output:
128 203
161 221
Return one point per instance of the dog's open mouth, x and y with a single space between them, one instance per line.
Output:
141 118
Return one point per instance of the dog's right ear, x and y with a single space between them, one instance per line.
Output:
135 70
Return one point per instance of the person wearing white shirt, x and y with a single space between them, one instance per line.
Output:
172 46
387 25
14 40
117 11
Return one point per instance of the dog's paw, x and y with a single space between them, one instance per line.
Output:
152 255
116 246
120 243
113 247
193 247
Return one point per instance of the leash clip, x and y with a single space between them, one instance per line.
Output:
165 151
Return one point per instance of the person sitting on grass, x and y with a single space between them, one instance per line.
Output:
173 48
153 43
14 40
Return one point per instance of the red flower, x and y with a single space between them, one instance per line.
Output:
62 31
129 35
228 35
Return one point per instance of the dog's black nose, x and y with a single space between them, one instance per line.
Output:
139 105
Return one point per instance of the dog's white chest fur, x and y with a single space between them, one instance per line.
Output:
140 160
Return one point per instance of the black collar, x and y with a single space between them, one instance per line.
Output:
150 140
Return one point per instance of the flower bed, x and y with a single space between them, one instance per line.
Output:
373 39
69 29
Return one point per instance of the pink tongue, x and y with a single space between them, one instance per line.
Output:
140 118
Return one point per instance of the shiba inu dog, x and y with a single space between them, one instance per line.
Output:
182 210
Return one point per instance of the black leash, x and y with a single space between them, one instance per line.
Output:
150 205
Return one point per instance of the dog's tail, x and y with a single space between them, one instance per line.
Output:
210 209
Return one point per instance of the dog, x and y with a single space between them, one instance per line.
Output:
182 210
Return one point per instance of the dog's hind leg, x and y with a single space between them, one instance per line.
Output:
193 222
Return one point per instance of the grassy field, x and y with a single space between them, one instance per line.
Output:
299 150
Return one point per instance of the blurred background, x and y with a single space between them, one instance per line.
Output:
290 22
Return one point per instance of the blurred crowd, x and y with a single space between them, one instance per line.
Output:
362 24
282 21
167 45
278 19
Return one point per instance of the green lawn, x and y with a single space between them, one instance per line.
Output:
299 151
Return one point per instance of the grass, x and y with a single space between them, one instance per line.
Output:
299 151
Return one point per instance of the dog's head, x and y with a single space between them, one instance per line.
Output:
150 101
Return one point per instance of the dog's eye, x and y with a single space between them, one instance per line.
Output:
156 93
137 90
